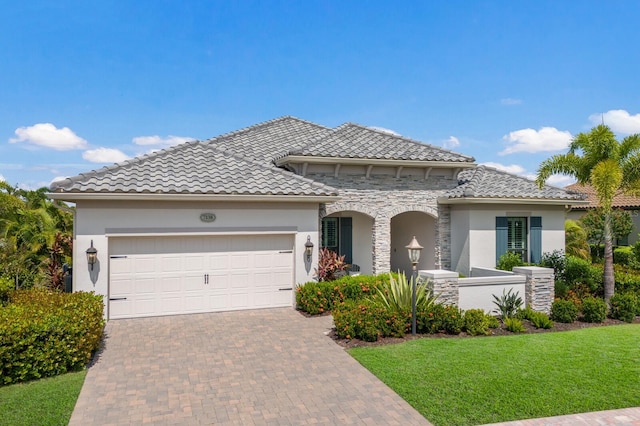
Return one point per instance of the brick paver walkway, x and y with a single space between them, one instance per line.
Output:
253 367
623 417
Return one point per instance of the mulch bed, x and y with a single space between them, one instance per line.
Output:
501 331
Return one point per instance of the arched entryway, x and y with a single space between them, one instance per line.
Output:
349 233
403 227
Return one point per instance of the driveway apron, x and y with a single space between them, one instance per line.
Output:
259 367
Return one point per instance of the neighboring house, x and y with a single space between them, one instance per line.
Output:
620 201
223 224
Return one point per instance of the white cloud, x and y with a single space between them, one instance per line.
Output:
385 130
57 178
618 120
530 140
160 141
510 101
105 155
512 168
560 180
451 143
49 136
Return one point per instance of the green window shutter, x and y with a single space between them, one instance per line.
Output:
502 236
536 239
346 239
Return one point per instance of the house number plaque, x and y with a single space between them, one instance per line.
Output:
207 217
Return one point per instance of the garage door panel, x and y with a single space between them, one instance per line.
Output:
174 275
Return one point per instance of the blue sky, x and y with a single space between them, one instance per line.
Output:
85 84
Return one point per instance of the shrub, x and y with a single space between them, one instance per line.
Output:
451 320
44 333
330 265
627 280
623 255
514 325
564 311
508 304
581 271
493 321
367 320
593 309
624 306
7 285
540 320
509 260
397 293
476 322
525 314
319 297
555 260
560 289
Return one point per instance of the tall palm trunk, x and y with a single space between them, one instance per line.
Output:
609 279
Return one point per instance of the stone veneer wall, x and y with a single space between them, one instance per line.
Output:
383 197
539 286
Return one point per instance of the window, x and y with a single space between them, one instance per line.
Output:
517 236
336 236
522 235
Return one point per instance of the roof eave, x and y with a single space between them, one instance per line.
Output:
76 196
289 159
498 200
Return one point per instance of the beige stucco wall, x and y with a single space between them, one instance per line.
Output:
473 231
94 218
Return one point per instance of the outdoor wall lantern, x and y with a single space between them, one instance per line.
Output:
414 249
92 255
308 248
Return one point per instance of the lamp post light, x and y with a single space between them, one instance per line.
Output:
414 249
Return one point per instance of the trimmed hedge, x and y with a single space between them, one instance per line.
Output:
624 306
367 320
44 333
318 297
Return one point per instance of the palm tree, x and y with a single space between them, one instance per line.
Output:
597 158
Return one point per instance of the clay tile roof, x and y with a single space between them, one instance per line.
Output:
192 168
355 141
620 200
487 182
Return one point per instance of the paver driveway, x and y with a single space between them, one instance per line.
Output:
269 366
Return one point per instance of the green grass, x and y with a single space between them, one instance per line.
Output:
42 402
495 379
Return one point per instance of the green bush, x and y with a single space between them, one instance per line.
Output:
623 255
44 333
319 297
564 311
514 325
476 322
593 309
580 271
624 306
451 320
367 320
508 304
560 289
555 260
397 294
7 285
439 318
509 260
627 280
493 321
525 314
540 320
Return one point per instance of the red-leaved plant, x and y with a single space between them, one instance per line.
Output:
329 265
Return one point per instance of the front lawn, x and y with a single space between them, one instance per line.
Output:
47 401
470 381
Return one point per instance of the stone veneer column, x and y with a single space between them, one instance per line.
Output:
443 284
381 245
539 287
443 238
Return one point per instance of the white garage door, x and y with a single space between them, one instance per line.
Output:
151 276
